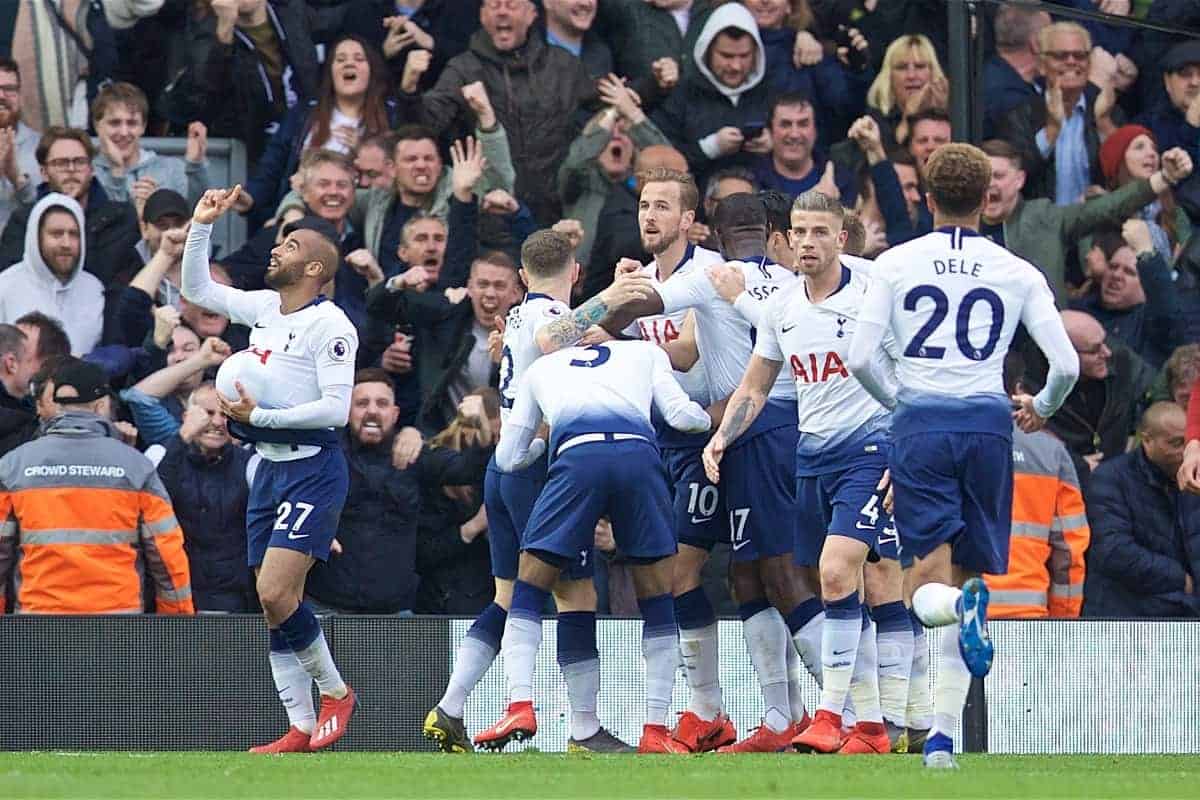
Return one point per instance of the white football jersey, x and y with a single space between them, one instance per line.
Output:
520 344
834 411
722 333
292 358
952 300
604 388
664 328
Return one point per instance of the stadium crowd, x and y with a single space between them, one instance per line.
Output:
429 138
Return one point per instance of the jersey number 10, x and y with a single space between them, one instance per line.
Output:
962 327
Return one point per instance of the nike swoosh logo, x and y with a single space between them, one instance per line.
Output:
508 723
298 535
841 652
785 330
862 527
259 325
889 666
701 520
741 544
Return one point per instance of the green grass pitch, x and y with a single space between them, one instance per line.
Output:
529 776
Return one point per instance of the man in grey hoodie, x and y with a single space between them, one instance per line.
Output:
717 115
50 278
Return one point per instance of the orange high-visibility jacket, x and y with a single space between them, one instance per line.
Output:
82 516
1049 534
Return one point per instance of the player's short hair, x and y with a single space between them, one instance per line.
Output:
728 173
374 375
999 148
55 134
779 209
856 234
52 337
497 258
123 94
319 157
957 177
547 254
787 100
689 193
416 219
812 200
322 249
1050 31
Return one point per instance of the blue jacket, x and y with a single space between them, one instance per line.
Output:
1145 541
833 93
210 502
1151 328
1003 90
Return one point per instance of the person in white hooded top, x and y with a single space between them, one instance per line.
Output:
717 115
50 277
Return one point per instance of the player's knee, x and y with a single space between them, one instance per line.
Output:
504 592
277 599
779 585
686 569
883 582
839 576
577 595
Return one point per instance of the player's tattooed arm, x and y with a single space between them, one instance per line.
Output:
568 331
742 408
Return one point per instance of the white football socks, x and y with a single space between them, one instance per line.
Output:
864 683
808 643
839 651
952 684
471 663
583 685
699 649
294 685
661 654
766 637
318 662
919 713
519 645
895 662
795 673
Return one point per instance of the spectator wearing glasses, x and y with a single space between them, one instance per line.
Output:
19 174
374 160
65 159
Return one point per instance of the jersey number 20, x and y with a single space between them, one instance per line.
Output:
962 327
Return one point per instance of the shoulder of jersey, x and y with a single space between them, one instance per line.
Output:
858 264
702 256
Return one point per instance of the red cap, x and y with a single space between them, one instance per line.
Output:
1112 152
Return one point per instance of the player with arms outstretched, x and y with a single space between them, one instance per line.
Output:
542 323
604 462
288 393
952 300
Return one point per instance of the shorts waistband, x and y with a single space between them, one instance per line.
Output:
587 438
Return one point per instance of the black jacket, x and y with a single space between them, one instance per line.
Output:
224 85
442 343
376 571
1145 541
617 237
535 90
456 577
17 422
210 502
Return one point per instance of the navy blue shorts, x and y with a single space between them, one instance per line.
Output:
957 488
624 481
843 503
509 498
760 494
699 504
296 505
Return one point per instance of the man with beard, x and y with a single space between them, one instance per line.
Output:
373 570
208 477
602 158
64 156
288 393
793 166
51 279
450 332
19 174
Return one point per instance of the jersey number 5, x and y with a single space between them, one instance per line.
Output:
962 327
602 355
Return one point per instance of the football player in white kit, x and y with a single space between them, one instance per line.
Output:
289 393
759 491
604 462
952 300
541 323
840 461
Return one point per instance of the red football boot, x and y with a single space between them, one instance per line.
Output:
333 719
294 741
700 735
867 738
517 724
761 740
658 739
823 735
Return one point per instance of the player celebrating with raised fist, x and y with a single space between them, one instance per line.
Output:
288 393
952 300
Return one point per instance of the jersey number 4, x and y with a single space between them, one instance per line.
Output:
962 327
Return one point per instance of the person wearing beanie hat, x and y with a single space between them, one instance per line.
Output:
1131 153
1176 120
